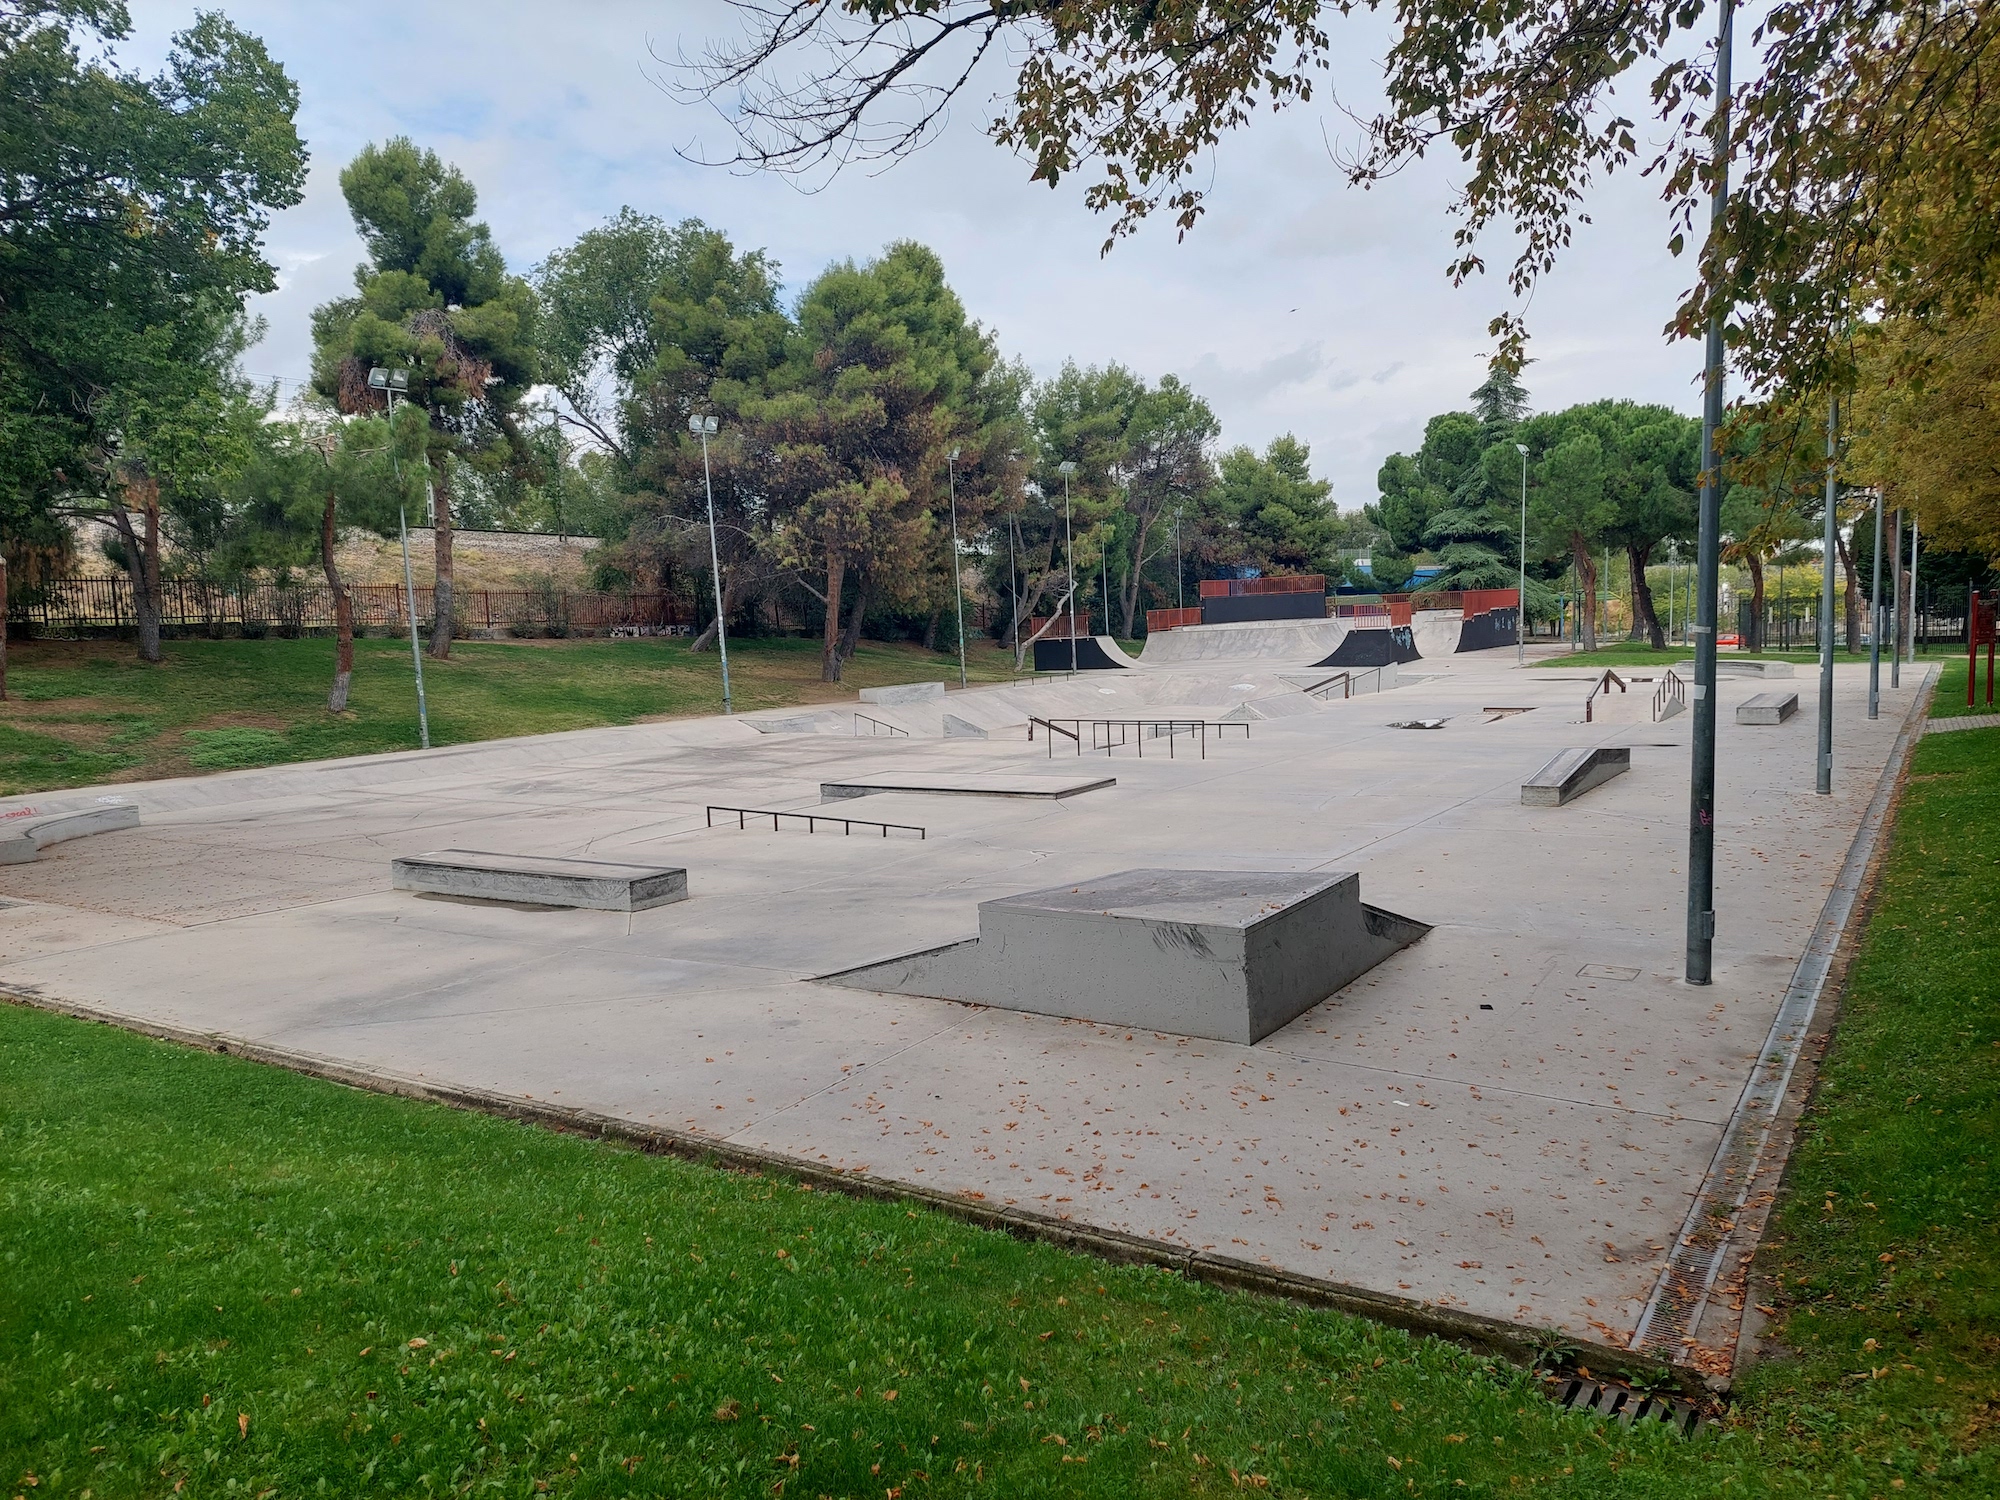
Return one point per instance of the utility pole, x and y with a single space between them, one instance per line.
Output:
1896 602
1521 597
1913 588
389 383
1708 563
1828 540
957 582
704 428
1067 468
1875 620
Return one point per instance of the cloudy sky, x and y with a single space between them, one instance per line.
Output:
1297 305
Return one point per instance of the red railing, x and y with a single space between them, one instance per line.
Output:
1229 588
1065 626
1170 619
1468 602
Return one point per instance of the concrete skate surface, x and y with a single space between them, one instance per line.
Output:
1510 1117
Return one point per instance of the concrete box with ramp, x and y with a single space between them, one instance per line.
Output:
1229 954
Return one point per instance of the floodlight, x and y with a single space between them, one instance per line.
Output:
1065 467
702 426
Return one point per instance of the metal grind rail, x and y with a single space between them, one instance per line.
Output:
1604 684
1110 735
1348 682
879 727
1670 697
811 820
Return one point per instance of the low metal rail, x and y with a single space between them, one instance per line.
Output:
1347 681
879 727
1603 684
811 820
1670 697
1110 735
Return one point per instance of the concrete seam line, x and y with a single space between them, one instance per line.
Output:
1112 1245
1682 1290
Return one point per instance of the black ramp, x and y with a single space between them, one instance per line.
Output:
1497 627
1374 648
1053 656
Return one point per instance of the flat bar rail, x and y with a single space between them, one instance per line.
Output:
1110 735
811 820
1604 684
877 727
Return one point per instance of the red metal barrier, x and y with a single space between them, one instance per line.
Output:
1065 628
1229 588
1170 619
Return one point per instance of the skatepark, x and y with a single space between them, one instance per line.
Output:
1509 1109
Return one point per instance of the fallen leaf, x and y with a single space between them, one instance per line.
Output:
420 1343
243 1424
729 1411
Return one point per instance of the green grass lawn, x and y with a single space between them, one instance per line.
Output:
88 712
222 1279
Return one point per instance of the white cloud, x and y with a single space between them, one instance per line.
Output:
1296 305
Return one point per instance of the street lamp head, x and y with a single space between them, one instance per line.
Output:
381 379
953 455
702 426
1522 449
1065 467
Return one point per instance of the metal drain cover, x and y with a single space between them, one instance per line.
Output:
1605 971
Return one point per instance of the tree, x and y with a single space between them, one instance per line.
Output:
881 385
1849 102
131 215
1164 467
435 299
1274 515
309 478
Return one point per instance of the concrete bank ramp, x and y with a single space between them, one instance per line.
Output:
1574 772
1295 642
1227 954
23 836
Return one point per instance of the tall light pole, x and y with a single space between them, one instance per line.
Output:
1067 468
1708 561
392 383
1896 600
704 428
1180 567
1014 591
957 580
1875 620
1914 617
1521 597
1824 784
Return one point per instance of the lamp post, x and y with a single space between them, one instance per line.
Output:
1067 468
392 383
704 428
957 579
1521 597
1708 564
1875 620
1180 567
1824 784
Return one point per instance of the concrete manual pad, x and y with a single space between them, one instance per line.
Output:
982 786
1227 954
539 879
1481 1122
1768 708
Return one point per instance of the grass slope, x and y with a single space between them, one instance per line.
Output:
89 712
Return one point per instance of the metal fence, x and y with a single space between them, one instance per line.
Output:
80 605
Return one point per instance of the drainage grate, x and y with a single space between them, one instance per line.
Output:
1606 971
1621 1403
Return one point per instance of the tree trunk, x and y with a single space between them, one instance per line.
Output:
1586 577
343 613
441 612
931 630
851 636
730 602
1645 619
829 655
1756 567
3 622
1852 601
1131 589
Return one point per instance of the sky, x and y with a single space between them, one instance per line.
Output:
1296 305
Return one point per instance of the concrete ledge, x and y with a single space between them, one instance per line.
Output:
23 839
905 692
1574 772
540 880
1726 667
1768 708
1020 786
1118 1247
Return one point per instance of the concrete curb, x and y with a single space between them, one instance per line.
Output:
1490 1335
